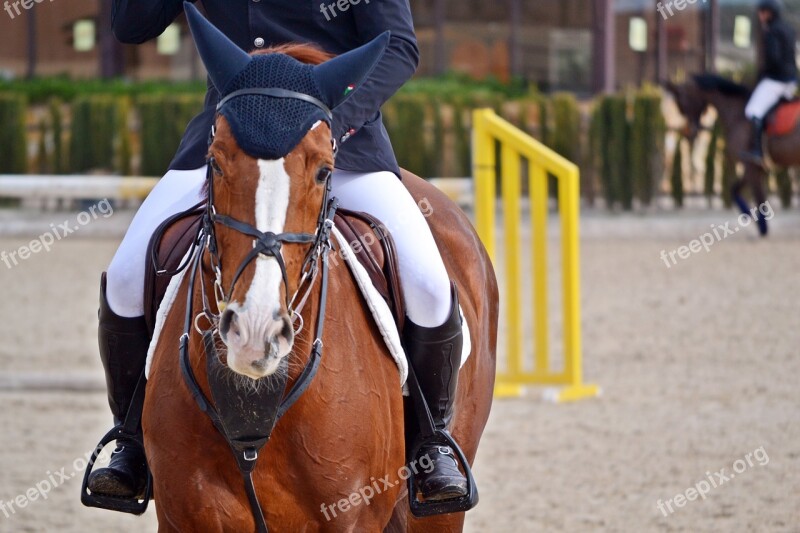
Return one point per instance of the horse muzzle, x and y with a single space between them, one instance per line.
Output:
257 342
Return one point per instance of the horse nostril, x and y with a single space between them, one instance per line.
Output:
272 344
271 348
228 323
288 331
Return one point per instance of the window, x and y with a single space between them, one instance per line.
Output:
742 31
637 34
83 36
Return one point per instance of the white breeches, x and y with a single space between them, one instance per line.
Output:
767 93
176 192
426 284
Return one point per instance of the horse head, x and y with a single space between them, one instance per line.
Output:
270 163
692 102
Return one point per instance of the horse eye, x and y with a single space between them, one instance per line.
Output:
323 174
215 167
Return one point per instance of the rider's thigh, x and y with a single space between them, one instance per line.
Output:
766 94
176 192
426 284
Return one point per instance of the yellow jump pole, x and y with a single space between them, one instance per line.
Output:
484 169
569 206
538 199
488 129
512 222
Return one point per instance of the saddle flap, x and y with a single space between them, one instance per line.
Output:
167 247
374 248
783 119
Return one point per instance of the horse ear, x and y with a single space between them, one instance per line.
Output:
339 77
222 58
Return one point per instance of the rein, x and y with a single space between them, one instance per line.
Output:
246 419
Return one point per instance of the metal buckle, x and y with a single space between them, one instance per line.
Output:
250 454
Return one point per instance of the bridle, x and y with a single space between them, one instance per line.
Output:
246 418
266 244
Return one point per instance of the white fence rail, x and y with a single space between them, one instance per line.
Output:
75 187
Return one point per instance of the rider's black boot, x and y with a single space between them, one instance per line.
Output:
123 350
756 152
435 356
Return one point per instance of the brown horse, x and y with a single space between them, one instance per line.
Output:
346 433
730 99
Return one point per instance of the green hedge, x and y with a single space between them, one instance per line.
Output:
626 146
728 179
646 144
129 128
123 148
709 183
610 132
676 176
163 121
58 161
406 123
565 137
783 179
42 90
93 134
13 138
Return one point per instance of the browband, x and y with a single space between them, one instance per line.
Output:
277 93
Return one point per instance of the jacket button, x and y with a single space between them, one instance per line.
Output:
259 42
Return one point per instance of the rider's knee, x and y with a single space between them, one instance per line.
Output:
124 290
428 297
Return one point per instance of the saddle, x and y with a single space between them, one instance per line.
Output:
782 119
368 238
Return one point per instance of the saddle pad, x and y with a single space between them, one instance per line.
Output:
383 315
161 316
784 119
375 302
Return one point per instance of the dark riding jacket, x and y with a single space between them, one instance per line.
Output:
337 27
779 51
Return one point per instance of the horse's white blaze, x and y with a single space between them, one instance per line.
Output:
263 300
272 204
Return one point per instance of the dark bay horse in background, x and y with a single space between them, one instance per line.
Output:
346 431
729 99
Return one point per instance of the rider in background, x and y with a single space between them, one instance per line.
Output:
778 73
366 178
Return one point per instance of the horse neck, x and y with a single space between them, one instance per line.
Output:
730 110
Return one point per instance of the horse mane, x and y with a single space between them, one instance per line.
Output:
713 82
305 53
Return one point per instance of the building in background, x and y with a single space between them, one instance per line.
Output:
583 46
